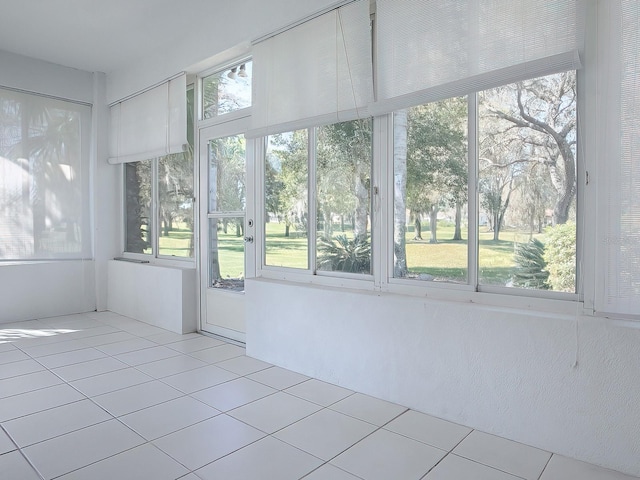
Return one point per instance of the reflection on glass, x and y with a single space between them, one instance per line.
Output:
175 194
226 91
527 184
343 179
42 212
226 253
430 196
285 190
138 207
227 174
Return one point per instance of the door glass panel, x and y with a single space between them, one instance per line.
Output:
226 253
227 174
227 200
285 190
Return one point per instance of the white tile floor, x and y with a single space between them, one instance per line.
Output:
100 396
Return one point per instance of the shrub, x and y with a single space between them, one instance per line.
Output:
560 255
342 254
531 266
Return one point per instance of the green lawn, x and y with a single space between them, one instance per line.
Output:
446 260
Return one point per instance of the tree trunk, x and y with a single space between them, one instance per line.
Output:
433 224
400 193
362 201
457 234
214 259
418 227
286 230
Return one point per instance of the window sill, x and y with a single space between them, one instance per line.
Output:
569 304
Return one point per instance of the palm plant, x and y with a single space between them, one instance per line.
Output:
531 266
341 254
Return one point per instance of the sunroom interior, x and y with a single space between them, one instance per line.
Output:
472 170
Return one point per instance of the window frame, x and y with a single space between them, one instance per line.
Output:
473 289
154 257
363 281
85 112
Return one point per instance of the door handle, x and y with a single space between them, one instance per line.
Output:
248 239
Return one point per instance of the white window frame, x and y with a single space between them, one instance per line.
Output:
154 257
311 275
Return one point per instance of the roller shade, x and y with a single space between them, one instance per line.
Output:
430 50
316 73
150 124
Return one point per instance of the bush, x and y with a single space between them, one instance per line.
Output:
531 266
344 255
560 255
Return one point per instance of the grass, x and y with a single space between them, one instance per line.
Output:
446 260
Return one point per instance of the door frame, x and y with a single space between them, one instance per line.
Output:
227 302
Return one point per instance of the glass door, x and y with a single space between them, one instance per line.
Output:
227 238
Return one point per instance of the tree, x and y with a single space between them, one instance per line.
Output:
546 108
436 160
344 156
286 178
400 193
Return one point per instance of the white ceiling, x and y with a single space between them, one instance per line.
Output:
107 35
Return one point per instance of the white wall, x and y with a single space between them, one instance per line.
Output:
161 296
34 75
504 371
220 27
55 288
45 289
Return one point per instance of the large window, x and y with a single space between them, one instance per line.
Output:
317 186
527 183
44 178
159 196
525 173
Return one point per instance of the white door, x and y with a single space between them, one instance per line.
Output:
226 230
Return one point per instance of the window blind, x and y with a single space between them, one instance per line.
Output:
620 159
44 178
316 73
150 124
430 50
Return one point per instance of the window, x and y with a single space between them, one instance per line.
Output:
158 214
527 184
227 90
526 188
337 195
430 192
44 178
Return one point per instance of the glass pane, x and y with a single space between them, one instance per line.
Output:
175 195
343 199
286 180
527 184
226 253
430 192
227 174
226 91
42 184
138 226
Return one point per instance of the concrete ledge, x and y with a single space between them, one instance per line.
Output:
158 295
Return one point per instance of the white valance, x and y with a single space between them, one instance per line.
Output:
150 124
429 50
316 73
